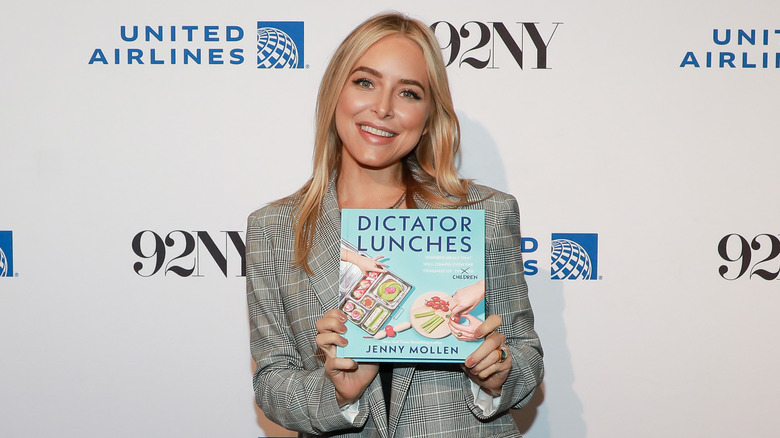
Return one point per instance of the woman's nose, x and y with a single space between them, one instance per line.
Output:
383 105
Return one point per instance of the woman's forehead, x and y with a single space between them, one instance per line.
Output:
395 55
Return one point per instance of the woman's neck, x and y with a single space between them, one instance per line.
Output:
370 188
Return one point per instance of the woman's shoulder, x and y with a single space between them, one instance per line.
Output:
501 209
488 197
275 213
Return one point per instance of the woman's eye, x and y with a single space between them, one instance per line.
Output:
363 82
410 94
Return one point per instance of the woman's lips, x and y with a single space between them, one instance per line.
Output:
376 131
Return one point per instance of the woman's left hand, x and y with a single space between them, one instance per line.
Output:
489 365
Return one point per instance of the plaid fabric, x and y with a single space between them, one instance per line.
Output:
429 400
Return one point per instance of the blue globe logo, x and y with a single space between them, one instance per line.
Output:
275 49
3 264
569 261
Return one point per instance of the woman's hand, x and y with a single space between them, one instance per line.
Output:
464 332
349 378
489 365
468 297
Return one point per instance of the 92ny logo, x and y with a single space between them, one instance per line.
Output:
181 253
475 42
759 256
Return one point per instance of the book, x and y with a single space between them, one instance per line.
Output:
399 311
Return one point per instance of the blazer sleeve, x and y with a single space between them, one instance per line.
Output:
506 294
288 393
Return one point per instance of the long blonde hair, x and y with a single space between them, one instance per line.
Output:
429 171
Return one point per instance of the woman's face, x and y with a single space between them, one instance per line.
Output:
383 107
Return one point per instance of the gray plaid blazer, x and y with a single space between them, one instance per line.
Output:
428 400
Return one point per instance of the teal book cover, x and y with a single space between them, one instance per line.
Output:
403 276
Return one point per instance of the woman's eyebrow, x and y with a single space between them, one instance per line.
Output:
412 82
376 73
368 70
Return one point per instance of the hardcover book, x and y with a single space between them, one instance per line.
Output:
403 274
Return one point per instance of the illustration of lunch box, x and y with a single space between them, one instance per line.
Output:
373 299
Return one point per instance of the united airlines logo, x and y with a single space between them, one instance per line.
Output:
574 256
171 45
737 49
280 44
6 254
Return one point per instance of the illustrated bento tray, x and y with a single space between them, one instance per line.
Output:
373 300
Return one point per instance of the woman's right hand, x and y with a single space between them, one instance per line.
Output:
349 377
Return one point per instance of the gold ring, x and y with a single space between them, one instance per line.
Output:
458 334
502 353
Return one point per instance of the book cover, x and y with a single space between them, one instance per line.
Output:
401 273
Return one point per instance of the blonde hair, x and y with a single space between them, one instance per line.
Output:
429 172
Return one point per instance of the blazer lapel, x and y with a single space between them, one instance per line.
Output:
376 406
402 378
324 255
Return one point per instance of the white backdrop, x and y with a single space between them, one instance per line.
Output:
621 136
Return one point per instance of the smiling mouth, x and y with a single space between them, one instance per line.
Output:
376 131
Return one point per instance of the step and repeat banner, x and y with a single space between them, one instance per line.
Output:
640 140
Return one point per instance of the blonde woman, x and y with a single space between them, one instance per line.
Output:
387 136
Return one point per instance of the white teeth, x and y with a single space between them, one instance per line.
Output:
376 131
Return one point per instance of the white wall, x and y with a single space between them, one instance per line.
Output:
613 138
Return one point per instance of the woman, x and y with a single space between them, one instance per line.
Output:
387 135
